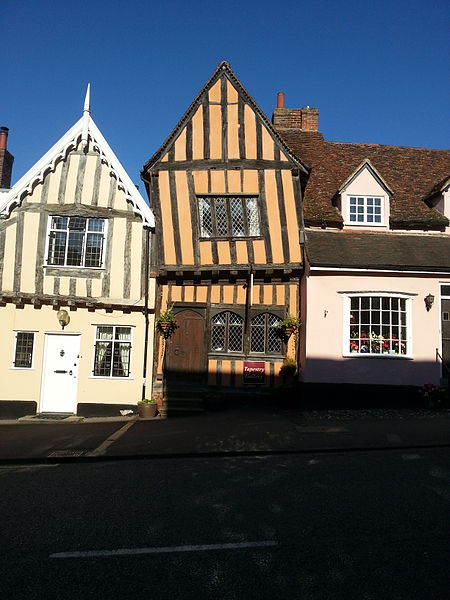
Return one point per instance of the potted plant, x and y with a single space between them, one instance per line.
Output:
288 326
288 368
166 323
147 408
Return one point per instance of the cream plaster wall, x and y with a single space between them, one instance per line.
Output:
25 384
325 329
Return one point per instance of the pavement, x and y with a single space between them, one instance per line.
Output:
240 430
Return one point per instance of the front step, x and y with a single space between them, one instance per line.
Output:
182 401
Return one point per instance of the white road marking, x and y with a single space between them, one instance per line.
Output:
100 450
163 549
411 456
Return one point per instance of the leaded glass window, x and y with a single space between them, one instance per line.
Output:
227 332
23 355
229 217
76 242
264 334
112 351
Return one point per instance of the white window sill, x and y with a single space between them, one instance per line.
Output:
111 378
371 355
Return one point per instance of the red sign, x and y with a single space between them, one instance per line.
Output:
254 371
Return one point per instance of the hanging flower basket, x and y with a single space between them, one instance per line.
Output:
166 324
288 326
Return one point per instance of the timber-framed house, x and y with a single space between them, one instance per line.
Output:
227 254
75 305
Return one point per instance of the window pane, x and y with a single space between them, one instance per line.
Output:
24 350
94 250
105 333
257 327
218 332
56 248
96 225
221 217
102 361
237 217
59 222
121 359
75 248
252 217
206 227
274 340
236 331
77 223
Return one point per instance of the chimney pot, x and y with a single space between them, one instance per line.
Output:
3 137
280 100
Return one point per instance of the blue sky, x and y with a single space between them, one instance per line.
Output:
377 71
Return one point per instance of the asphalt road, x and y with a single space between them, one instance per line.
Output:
363 526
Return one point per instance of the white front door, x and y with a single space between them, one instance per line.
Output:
60 373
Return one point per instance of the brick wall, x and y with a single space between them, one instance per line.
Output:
6 163
306 119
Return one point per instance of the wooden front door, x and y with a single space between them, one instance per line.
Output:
185 354
445 328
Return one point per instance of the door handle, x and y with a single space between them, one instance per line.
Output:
60 371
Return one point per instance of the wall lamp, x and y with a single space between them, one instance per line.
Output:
429 301
63 318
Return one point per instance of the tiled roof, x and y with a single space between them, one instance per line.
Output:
373 250
411 173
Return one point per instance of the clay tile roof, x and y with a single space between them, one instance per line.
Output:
373 250
411 174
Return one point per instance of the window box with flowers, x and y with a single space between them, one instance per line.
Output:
377 325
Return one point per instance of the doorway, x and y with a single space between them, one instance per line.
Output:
60 373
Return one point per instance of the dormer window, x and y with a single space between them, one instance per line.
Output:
365 210
364 198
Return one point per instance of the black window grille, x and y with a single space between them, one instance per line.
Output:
112 351
23 356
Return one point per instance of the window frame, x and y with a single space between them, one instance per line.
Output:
229 235
267 313
226 351
365 222
86 231
31 366
347 325
113 340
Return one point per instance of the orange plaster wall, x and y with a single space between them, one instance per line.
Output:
215 294
214 94
205 253
223 251
212 368
233 131
215 130
228 294
184 216
180 146
291 216
197 134
232 95
189 293
202 294
268 145
250 132
200 182
273 214
251 185
234 181
218 182
241 253
167 223
259 251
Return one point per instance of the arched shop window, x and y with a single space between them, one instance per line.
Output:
264 334
227 332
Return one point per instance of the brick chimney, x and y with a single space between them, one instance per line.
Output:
306 119
6 159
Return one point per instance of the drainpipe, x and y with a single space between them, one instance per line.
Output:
145 310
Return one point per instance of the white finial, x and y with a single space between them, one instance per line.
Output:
86 114
87 100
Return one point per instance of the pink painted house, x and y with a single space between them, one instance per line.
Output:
375 293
